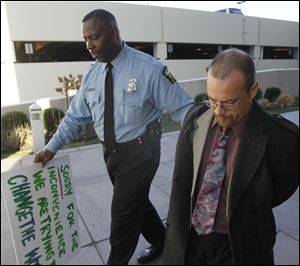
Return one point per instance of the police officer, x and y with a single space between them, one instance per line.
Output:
138 87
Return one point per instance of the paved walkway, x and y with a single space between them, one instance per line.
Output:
94 192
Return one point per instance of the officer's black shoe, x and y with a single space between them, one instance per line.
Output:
149 254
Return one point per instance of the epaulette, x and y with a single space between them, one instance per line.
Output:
283 122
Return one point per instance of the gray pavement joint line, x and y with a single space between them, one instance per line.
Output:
94 243
289 235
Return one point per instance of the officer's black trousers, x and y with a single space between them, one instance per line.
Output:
131 171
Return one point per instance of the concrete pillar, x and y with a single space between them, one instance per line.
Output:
257 55
160 51
258 52
37 127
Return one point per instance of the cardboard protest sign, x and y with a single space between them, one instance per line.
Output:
42 212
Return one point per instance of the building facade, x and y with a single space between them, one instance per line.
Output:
46 42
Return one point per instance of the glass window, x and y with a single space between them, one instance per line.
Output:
278 53
191 51
31 52
144 47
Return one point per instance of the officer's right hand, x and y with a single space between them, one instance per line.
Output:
43 156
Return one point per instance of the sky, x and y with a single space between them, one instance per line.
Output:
282 10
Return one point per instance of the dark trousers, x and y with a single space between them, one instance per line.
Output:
131 170
211 249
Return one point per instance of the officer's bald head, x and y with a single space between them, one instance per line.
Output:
103 15
230 60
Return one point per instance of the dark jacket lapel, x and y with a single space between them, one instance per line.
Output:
250 153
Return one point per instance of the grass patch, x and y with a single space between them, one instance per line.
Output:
16 154
168 125
284 110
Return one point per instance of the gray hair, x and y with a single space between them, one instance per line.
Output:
233 59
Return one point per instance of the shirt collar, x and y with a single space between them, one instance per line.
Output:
237 128
119 60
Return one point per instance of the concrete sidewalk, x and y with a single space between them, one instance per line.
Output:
94 193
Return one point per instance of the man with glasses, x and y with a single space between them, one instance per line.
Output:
234 163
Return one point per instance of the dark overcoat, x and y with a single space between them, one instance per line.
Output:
265 174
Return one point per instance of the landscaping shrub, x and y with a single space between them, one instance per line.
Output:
259 94
14 119
201 97
16 138
52 117
272 93
297 100
266 104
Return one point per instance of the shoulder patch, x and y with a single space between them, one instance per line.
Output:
168 75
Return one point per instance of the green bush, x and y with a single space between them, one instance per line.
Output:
201 97
272 93
15 139
259 94
12 120
52 117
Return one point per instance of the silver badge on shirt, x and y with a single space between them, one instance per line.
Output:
132 85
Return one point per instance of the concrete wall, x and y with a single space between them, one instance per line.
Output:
278 33
286 80
279 64
39 80
189 69
207 27
58 102
61 21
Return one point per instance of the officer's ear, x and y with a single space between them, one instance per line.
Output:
115 32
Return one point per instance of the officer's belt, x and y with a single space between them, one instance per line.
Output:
148 136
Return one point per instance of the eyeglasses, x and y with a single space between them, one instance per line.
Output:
225 106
